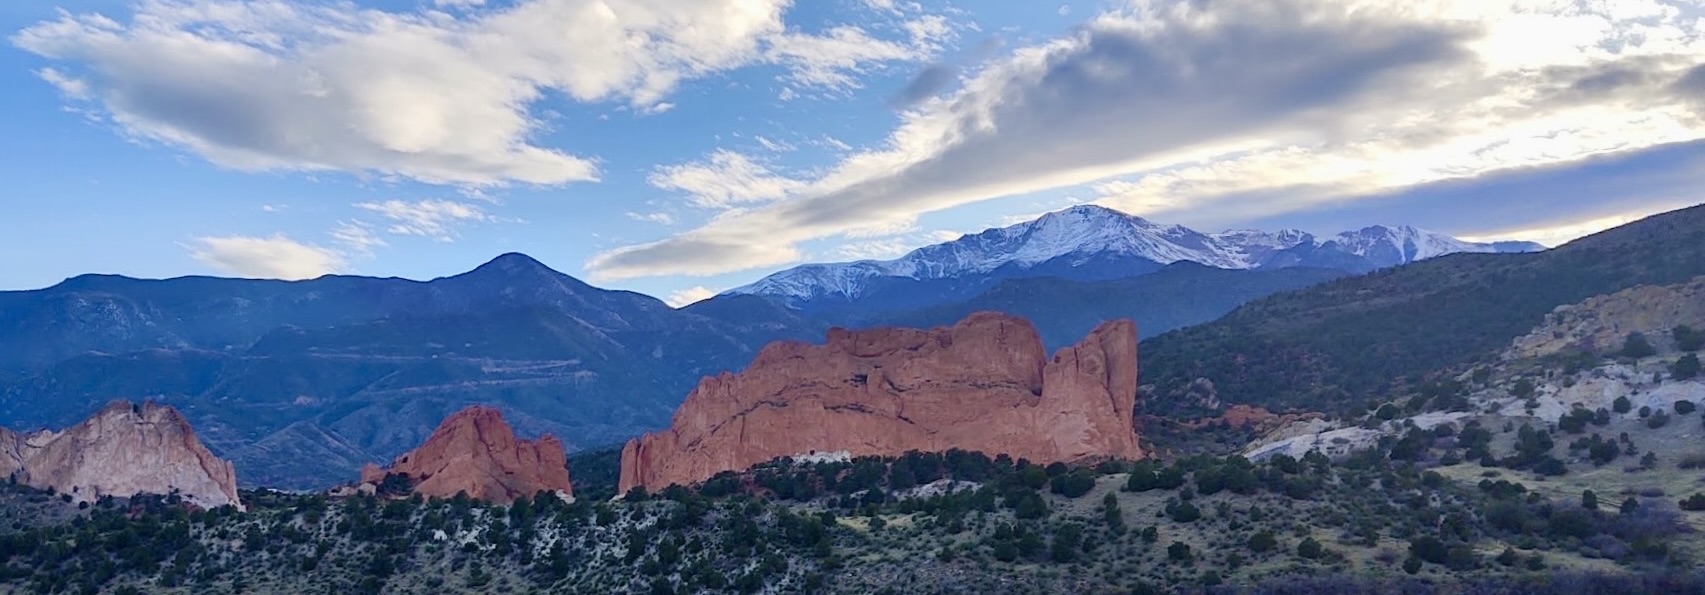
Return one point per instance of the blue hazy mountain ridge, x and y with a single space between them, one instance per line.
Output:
301 382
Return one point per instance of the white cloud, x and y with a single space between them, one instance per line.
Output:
689 295
428 95
1252 108
659 217
434 218
72 88
275 257
725 179
774 146
835 59
356 237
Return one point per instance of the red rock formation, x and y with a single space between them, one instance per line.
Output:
984 384
122 451
475 451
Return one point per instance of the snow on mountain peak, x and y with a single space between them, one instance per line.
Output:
1092 230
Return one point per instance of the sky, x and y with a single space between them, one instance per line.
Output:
683 147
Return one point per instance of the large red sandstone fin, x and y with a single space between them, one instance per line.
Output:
984 384
474 451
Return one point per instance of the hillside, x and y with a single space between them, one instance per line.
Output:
1338 345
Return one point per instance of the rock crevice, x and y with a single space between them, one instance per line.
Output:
985 384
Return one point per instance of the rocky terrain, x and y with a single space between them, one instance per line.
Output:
475 453
1604 322
984 384
123 450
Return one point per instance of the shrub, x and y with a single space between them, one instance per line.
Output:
1686 368
1523 389
1622 405
1636 346
1657 420
1412 565
1179 552
1262 541
1074 484
1688 339
1509 557
1428 549
1309 548
1695 503
1184 512
1684 407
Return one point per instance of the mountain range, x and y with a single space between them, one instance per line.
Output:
299 383
296 381
1089 243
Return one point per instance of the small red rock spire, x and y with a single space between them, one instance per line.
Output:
475 451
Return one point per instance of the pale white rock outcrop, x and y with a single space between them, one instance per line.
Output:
122 451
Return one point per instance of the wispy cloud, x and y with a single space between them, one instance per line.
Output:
723 180
659 217
436 218
356 237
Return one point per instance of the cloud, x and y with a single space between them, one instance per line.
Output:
724 179
427 95
72 88
1556 235
689 295
434 218
356 237
275 257
660 217
834 60
927 83
1241 106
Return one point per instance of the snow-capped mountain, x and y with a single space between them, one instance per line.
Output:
1092 241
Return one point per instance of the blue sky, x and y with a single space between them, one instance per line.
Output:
680 147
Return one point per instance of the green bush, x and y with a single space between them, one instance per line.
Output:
1262 541
1686 368
1309 548
1688 339
1636 346
1694 503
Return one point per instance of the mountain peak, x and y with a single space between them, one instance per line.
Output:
512 265
513 261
